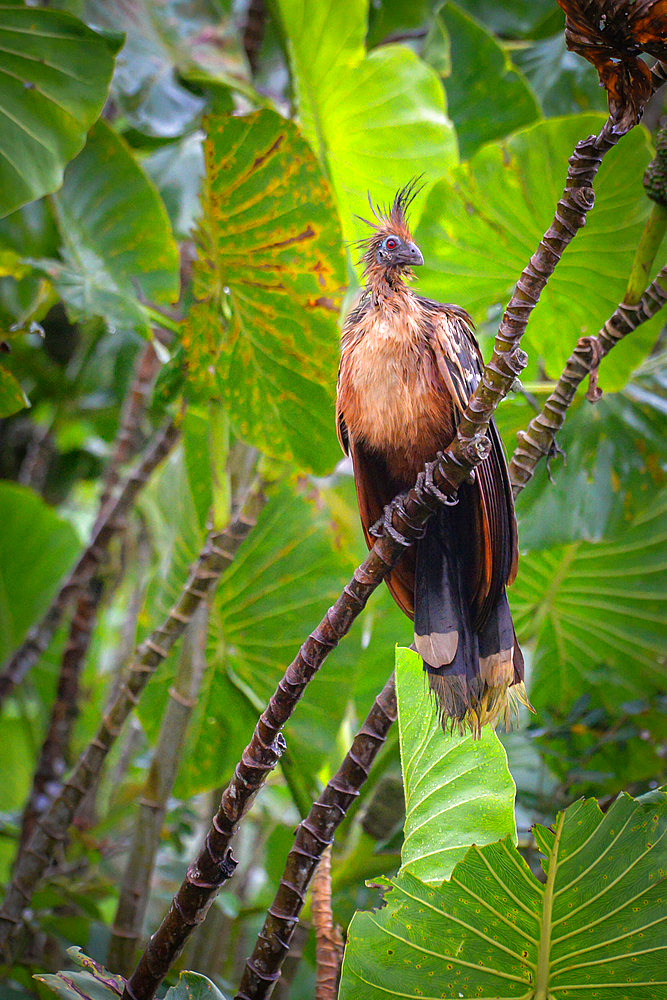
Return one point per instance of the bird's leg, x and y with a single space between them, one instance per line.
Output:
554 450
385 524
431 488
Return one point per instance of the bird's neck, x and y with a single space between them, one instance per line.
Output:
388 290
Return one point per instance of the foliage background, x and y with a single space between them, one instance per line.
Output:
486 103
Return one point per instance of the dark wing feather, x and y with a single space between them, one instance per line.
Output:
485 513
375 489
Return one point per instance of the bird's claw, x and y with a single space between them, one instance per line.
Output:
385 524
431 487
554 450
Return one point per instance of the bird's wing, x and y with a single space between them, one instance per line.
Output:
375 489
486 512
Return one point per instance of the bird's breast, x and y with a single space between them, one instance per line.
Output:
390 395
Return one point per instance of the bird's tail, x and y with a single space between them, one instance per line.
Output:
476 677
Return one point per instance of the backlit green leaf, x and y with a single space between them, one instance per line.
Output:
479 229
458 790
12 396
269 275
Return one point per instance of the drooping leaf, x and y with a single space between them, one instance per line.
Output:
596 928
375 120
587 606
117 240
611 34
54 77
163 40
34 557
479 229
487 98
269 275
94 983
458 790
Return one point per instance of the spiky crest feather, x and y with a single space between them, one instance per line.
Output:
390 220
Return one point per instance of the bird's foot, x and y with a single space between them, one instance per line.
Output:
431 488
385 524
554 450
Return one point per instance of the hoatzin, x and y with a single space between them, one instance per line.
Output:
408 368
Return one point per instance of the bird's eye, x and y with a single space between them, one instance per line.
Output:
391 243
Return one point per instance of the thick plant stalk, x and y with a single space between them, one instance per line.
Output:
537 441
313 836
215 863
217 554
329 946
153 801
108 524
53 758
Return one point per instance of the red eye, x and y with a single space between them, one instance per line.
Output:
391 243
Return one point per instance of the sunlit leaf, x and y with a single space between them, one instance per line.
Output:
458 790
269 276
375 120
54 76
117 240
12 396
478 231
94 983
595 928
487 98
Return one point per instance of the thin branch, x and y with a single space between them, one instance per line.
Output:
159 785
538 440
216 555
108 524
215 863
313 836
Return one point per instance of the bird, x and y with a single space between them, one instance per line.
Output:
408 367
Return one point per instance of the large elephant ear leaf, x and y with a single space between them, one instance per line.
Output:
54 77
268 282
458 790
595 927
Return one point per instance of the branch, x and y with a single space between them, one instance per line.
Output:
538 440
215 863
313 836
109 522
159 785
51 828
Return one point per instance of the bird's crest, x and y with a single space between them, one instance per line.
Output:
391 218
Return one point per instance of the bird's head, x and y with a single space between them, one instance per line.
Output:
390 251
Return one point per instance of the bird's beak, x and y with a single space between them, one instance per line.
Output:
411 255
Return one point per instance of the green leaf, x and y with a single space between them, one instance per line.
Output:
563 82
163 41
594 929
270 272
479 229
117 240
487 98
615 461
458 790
511 17
12 396
590 605
54 77
34 557
194 986
95 983
283 578
375 120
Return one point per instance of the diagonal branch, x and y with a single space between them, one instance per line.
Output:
215 863
109 522
538 440
51 828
